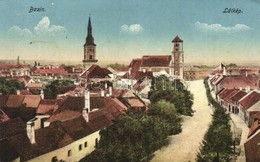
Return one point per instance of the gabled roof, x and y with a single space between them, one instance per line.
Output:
239 82
250 99
224 93
32 101
14 101
231 94
47 106
156 61
94 71
237 96
177 39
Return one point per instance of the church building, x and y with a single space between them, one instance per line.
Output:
172 64
89 48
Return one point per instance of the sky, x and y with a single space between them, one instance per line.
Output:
127 29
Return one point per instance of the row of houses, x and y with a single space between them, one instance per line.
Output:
67 128
238 91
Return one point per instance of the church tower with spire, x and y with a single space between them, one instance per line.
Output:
178 57
89 47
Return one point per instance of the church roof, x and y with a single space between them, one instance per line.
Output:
177 39
156 61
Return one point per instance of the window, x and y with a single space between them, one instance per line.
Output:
90 57
54 159
86 144
80 147
69 153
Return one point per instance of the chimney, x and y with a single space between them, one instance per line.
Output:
110 91
18 92
105 85
18 60
30 131
246 74
102 93
144 70
86 109
129 71
42 94
224 71
73 69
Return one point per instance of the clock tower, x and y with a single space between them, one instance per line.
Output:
178 57
89 47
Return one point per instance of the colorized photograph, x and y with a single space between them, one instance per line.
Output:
130 81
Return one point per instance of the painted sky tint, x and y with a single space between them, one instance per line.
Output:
128 29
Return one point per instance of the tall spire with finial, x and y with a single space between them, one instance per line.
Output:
89 26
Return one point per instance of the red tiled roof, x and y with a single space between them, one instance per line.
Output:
250 100
224 93
47 106
11 128
25 92
156 61
237 96
231 94
255 126
14 101
50 71
32 101
239 81
94 71
106 70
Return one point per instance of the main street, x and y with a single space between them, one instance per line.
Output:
184 146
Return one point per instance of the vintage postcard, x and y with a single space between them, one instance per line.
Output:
130 80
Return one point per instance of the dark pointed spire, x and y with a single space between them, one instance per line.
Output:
89 39
177 39
89 26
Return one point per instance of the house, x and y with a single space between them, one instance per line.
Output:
252 145
225 100
234 101
253 112
70 133
246 102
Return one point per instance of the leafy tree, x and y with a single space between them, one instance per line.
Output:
52 88
132 137
167 112
117 65
172 91
217 142
10 86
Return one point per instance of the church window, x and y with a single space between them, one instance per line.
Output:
90 57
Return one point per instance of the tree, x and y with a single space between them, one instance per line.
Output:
132 137
10 86
167 112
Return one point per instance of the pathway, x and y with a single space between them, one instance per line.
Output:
184 146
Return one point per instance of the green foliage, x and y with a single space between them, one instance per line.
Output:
173 92
52 88
131 137
10 86
217 142
232 65
167 112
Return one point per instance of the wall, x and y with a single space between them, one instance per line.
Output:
76 155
